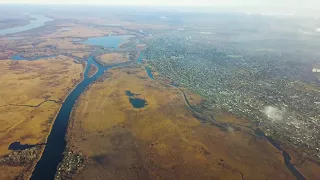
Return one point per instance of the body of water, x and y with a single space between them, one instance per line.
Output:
20 58
136 102
39 21
149 72
107 41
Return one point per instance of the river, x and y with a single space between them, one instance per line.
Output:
53 152
56 144
39 21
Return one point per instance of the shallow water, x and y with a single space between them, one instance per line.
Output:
20 58
149 72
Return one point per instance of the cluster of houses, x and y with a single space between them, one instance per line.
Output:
315 70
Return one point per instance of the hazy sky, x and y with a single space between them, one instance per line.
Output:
281 3
287 4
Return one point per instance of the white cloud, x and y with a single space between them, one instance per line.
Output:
273 113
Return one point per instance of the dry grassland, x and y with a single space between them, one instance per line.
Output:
161 140
113 58
81 54
60 44
79 32
93 70
31 93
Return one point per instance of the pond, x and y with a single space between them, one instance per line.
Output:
136 102
17 146
20 58
149 72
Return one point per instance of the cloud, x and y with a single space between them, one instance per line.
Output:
273 113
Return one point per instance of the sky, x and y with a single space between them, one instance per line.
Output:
271 3
261 6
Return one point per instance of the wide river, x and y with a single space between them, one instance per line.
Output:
39 21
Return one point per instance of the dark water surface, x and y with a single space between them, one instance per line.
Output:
136 102
18 146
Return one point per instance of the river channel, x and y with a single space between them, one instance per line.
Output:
53 152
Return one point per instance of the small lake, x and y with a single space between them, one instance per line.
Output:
107 41
139 60
149 72
20 58
39 21
17 146
136 102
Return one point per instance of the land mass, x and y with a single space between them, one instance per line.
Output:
161 140
113 58
31 94
93 70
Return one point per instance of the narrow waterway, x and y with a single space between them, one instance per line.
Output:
20 58
286 156
53 152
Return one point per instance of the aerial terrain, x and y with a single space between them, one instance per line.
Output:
156 93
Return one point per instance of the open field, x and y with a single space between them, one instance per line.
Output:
60 44
93 70
31 93
79 32
81 54
113 58
161 140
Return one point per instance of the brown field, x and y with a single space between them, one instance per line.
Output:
78 31
31 93
113 58
93 70
60 44
6 54
161 140
81 54
141 46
